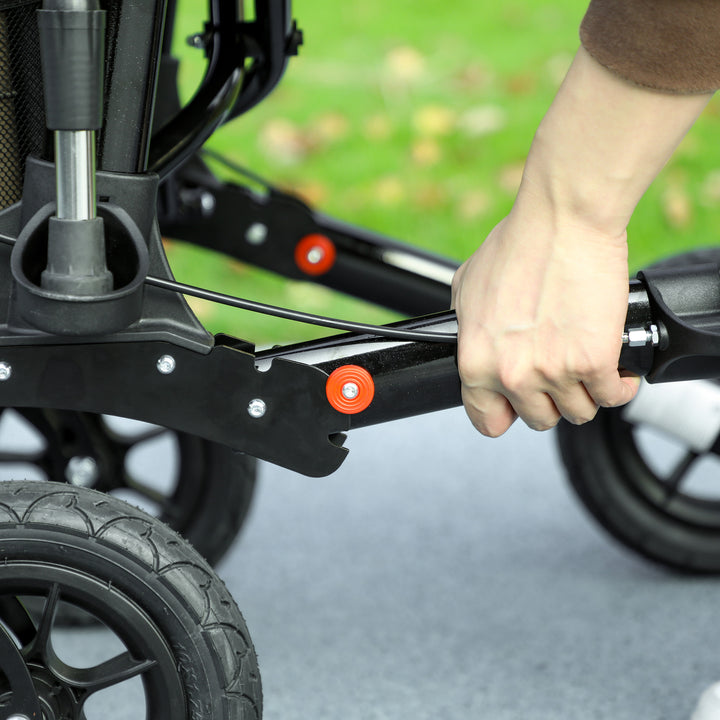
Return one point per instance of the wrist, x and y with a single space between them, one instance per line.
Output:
558 209
600 145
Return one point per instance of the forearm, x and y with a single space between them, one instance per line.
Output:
539 337
600 145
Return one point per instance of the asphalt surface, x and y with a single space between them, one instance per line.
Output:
439 574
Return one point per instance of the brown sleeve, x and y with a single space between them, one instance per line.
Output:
669 45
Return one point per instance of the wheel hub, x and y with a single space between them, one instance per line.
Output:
57 701
82 471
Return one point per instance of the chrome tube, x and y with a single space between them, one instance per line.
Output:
75 174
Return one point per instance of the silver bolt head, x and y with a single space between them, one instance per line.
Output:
350 390
82 471
5 371
654 335
256 408
207 203
166 364
196 41
637 337
315 255
18 717
256 234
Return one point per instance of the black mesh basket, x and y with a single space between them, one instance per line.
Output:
22 113
22 117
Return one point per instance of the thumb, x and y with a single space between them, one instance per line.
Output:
632 385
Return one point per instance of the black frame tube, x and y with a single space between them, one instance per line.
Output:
181 137
368 265
124 142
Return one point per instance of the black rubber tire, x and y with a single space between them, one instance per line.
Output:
607 470
211 494
611 476
228 481
186 639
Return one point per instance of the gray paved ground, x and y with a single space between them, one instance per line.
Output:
439 574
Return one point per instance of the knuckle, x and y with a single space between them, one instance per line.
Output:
485 422
582 418
490 430
474 367
552 372
585 367
513 378
609 398
542 425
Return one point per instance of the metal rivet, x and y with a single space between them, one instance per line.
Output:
196 41
207 203
18 717
5 371
654 335
256 234
82 471
166 364
256 408
350 390
315 255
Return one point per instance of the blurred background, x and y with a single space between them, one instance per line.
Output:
413 118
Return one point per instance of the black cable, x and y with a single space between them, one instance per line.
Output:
286 313
297 316
236 167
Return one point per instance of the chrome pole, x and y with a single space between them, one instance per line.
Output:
75 174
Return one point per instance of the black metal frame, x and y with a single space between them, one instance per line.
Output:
215 380
163 367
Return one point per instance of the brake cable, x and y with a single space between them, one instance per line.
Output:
287 313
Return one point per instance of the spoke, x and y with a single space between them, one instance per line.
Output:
16 617
40 647
132 440
674 481
21 457
111 672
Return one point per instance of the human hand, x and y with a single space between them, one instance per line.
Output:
542 303
541 309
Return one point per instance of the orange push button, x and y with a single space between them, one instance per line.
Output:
315 254
350 389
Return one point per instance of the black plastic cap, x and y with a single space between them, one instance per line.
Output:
72 48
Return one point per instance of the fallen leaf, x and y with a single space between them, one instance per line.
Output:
430 197
522 83
314 193
473 77
377 127
204 309
473 204
404 64
676 206
434 120
329 128
283 141
482 120
426 151
389 191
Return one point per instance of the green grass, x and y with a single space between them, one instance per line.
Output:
413 118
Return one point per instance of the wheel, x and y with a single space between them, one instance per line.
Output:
201 489
174 642
649 489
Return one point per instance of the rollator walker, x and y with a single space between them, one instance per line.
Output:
100 161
